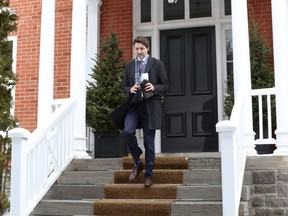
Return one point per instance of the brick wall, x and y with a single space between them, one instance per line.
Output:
28 52
63 30
261 11
117 16
27 66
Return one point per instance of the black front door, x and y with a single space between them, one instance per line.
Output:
190 106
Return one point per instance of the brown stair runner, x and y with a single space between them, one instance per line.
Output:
132 199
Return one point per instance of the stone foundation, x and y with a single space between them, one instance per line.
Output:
268 177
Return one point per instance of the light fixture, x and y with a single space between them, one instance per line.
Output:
172 2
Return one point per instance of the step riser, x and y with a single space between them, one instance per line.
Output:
203 209
95 165
136 191
133 208
86 177
207 193
64 208
159 177
75 192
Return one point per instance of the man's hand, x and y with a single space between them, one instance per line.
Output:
134 88
149 87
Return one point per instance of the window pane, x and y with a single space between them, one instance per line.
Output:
227 7
229 61
150 48
229 47
173 12
200 8
145 11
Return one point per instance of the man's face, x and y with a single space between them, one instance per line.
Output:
141 50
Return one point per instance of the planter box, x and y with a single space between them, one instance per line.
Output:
110 145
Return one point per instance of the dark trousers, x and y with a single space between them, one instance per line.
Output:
134 117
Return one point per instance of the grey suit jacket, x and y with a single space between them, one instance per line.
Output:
158 77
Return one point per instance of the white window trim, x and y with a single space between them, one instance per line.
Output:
14 57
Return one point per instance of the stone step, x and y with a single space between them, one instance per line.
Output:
168 162
86 177
189 208
138 191
206 193
209 177
159 176
97 164
75 192
133 207
64 207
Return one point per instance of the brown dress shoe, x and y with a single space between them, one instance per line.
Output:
135 172
148 182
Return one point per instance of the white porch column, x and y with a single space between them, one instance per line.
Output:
78 75
280 41
46 62
241 61
93 33
93 39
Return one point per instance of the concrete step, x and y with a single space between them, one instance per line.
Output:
206 193
75 192
209 162
138 191
86 177
133 207
64 207
192 208
95 164
164 176
209 177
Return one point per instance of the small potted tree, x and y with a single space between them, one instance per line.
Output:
104 94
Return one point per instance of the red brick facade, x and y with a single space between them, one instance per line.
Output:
115 15
261 11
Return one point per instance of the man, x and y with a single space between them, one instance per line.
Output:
144 111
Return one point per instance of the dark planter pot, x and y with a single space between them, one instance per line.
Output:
110 145
267 148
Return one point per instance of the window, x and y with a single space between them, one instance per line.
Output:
227 7
229 52
145 11
173 12
13 41
200 8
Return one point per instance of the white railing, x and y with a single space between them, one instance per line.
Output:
234 138
260 94
233 157
39 158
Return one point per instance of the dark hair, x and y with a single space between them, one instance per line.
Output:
143 40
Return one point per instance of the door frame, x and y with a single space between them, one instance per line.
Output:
157 24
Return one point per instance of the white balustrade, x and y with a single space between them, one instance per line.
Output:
38 159
235 139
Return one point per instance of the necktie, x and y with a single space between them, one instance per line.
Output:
139 68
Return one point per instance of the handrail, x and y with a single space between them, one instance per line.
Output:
234 136
233 156
38 159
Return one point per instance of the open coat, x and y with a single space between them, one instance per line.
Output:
158 77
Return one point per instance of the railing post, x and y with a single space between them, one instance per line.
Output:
228 168
18 198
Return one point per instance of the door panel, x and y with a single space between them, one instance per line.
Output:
190 108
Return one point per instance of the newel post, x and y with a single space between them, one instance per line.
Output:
226 132
18 200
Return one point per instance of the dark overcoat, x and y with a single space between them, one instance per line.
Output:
158 77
